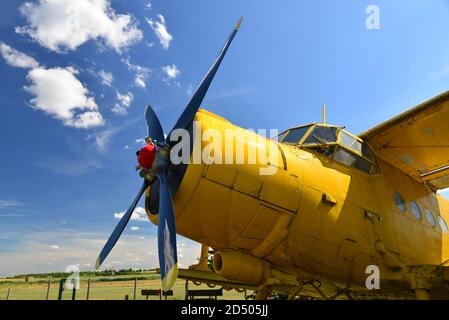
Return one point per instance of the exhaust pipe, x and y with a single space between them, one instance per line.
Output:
238 266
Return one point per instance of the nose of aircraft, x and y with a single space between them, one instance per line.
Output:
146 155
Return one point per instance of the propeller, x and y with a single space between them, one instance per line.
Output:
159 173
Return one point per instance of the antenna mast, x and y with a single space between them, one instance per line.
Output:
324 113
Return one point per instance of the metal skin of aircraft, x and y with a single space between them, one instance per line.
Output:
341 216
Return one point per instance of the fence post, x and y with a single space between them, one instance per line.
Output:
7 294
135 287
88 289
187 289
74 292
61 288
48 289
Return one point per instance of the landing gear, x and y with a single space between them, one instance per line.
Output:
421 287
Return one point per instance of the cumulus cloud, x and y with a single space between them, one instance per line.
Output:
142 73
59 93
171 71
62 25
160 29
139 214
124 101
17 59
135 228
106 77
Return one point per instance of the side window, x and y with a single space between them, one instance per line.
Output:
415 210
350 142
399 201
322 134
352 160
294 135
430 218
443 224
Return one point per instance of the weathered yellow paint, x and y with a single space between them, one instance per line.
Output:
416 141
313 216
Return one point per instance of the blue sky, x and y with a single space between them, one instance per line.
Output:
72 102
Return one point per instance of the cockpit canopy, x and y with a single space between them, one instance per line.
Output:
334 142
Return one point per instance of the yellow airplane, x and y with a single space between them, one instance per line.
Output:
341 216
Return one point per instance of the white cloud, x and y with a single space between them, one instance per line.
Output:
142 73
124 101
86 120
148 6
160 29
106 77
57 91
139 214
171 71
139 141
10 203
55 247
33 252
17 59
103 138
126 147
60 94
135 228
62 25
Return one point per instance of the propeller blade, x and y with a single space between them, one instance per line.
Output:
168 258
155 131
189 112
120 227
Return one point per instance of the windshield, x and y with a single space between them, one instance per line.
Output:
322 135
294 135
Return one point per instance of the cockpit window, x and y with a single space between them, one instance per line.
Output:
294 135
335 143
350 142
352 160
322 135
366 152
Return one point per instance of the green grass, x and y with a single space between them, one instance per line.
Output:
102 288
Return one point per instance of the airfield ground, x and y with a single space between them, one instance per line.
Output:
101 288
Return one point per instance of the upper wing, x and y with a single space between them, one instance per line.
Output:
417 141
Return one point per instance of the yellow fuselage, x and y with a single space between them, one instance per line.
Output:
314 215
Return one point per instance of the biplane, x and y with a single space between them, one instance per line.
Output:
337 206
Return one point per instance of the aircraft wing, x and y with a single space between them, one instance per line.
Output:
417 141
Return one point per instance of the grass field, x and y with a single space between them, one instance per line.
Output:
101 288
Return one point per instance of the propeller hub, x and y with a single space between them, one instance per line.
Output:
146 156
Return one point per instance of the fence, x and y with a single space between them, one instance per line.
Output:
100 289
